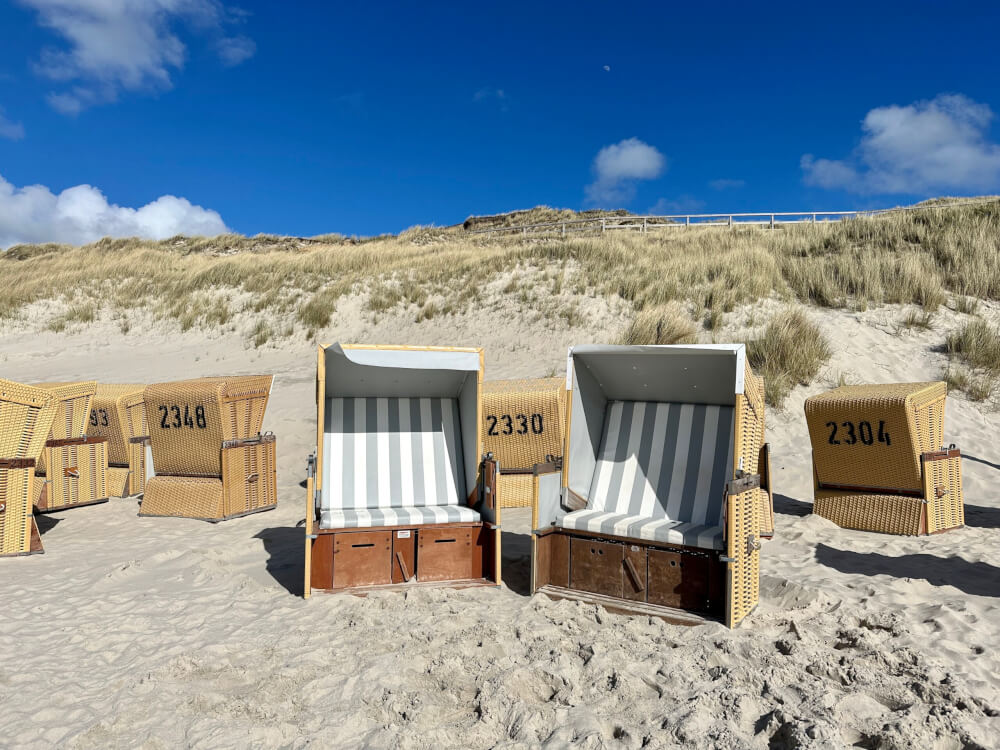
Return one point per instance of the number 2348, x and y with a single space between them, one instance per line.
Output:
172 417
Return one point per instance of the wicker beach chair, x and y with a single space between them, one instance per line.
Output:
878 460
212 462
523 426
26 415
657 507
118 413
72 470
397 493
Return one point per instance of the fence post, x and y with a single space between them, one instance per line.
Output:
643 224
687 221
564 229
602 226
524 231
730 220
814 218
772 221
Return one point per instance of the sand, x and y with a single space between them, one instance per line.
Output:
150 632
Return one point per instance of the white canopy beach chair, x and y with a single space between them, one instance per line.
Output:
657 508
397 492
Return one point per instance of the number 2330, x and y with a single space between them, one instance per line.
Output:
505 424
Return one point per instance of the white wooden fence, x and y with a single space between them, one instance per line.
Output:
680 221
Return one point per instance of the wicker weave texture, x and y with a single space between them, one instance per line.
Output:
943 492
523 420
515 490
872 436
118 481
249 478
78 475
16 494
742 533
185 497
72 412
26 415
750 440
869 511
189 420
110 418
137 469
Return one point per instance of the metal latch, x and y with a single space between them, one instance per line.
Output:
742 483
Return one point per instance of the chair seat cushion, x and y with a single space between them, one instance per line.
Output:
353 519
645 527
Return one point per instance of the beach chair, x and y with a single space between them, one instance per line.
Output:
72 470
397 493
878 460
523 426
212 462
26 415
657 507
118 413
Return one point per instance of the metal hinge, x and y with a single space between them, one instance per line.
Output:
742 483
726 559
312 536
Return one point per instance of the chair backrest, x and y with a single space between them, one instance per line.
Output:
189 420
664 460
72 407
392 452
524 420
26 415
118 413
872 436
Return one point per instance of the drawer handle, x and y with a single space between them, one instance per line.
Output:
253 477
444 541
72 472
370 544
402 567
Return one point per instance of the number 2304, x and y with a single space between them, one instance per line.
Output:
849 434
505 424
173 417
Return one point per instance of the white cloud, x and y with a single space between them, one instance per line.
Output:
124 45
927 146
617 168
726 184
9 129
685 204
234 50
82 214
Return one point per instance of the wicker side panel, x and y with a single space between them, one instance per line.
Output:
15 516
249 478
743 549
847 426
515 490
523 420
243 417
118 481
26 415
888 514
943 491
78 474
109 418
185 497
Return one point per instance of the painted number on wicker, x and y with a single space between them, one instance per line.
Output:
173 417
99 418
505 424
861 432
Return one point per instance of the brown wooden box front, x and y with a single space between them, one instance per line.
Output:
362 558
688 579
447 554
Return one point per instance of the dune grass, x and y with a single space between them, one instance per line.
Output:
924 258
790 352
665 324
974 351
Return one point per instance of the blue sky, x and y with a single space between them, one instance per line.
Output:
304 118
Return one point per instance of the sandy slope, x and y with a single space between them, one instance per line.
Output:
136 632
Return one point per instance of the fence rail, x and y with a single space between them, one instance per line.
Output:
769 219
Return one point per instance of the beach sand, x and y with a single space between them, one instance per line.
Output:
157 633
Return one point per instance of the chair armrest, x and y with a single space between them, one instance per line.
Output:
572 502
547 494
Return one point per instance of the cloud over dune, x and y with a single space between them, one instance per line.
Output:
83 214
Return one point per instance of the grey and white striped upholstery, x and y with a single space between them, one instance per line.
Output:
392 461
661 473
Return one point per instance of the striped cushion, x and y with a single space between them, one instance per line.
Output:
661 460
382 453
644 527
352 519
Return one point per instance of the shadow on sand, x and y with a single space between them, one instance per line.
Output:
285 546
790 507
978 578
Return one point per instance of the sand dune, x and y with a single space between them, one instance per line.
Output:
151 632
